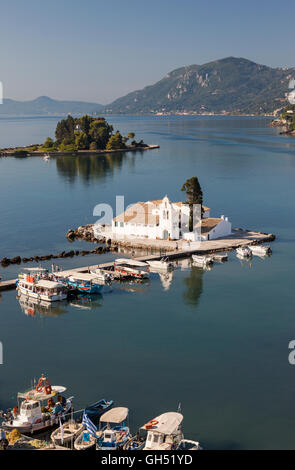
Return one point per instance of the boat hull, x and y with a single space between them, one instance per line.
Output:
41 297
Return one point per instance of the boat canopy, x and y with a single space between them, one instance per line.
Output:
37 270
83 277
130 262
40 396
168 423
48 284
115 415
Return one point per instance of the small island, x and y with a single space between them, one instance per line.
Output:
286 120
85 134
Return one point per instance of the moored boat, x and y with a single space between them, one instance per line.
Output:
260 250
186 444
129 268
67 433
86 283
102 276
85 441
164 432
95 410
31 415
161 265
202 260
244 252
114 430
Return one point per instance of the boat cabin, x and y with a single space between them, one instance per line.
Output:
30 410
164 432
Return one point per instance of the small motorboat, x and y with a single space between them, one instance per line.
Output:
161 265
186 444
260 250
46 157
202 260
114 431
86 283
85 441
244 252
102 276
97 409
67 433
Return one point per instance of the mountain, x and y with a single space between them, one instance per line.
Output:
230 85
47 106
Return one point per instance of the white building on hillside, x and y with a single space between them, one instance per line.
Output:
165 220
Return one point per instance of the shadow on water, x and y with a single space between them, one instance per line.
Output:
194 286
88 167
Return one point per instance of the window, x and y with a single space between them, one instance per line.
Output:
121 224
116 224
156 437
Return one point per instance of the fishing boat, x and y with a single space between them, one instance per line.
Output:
202 260
36 283
161 265
164 432
67 433
86 283
136 442
85 441
244 252
129 268
97 409
260 250
31 415
114 430
102 276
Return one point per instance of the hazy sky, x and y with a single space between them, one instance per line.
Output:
98 50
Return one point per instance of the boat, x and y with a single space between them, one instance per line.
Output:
84 441
244 252
128 268
86 283
164 432
161 265
97 409
102 276
38 284
67 433
136 442
114 431
46 157
31 415
186 444
260 250
220 257
202 260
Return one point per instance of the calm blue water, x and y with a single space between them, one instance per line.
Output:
216 341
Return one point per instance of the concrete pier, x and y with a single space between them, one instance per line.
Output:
238 238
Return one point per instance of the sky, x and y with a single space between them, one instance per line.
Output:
99 50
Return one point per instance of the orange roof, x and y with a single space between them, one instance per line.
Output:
209 224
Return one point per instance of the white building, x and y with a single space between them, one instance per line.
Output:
163 220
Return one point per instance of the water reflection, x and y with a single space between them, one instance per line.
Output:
32 307
194 286
86 302
88 167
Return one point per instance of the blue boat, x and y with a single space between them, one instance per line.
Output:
114 430
86 283
97 409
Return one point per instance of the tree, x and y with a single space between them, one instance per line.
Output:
115 142
100 132
48 143
81 141
194 195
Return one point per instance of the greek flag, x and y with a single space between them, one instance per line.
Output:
91 428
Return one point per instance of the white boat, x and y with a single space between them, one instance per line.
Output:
161 265
46 157
260 250
129 268
114 430
187 444
244 252
202 260
164 432
31 416
67 433
43 289
102 275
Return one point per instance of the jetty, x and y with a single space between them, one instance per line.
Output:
177 250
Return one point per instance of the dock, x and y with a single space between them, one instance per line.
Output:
220 245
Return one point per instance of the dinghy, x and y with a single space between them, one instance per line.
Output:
67 433
260 250
244 252
97 409
161 265
203 261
